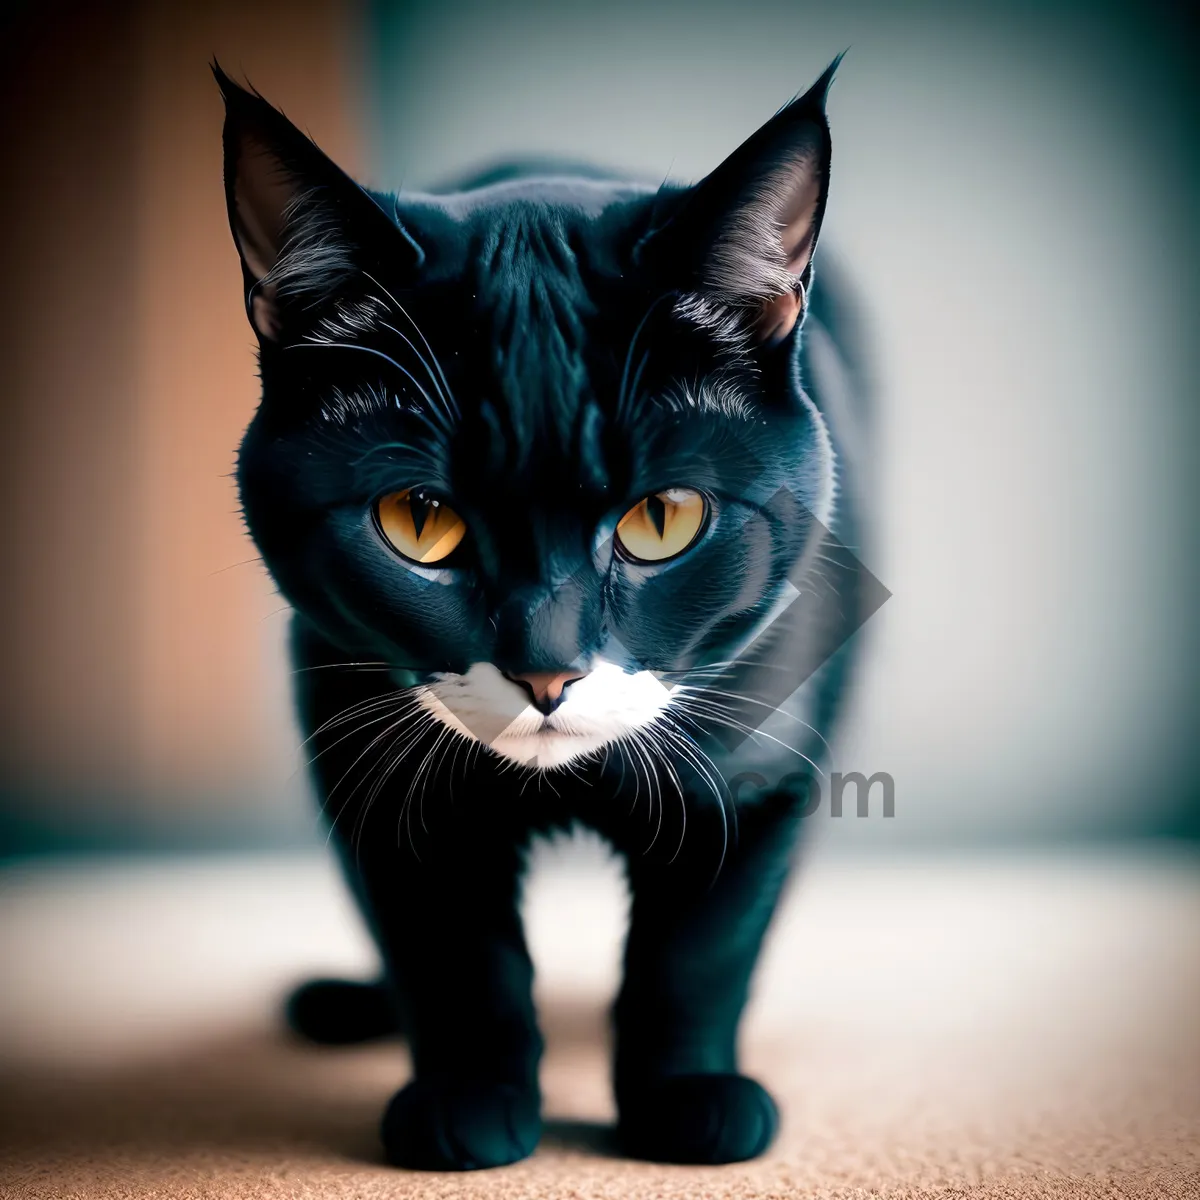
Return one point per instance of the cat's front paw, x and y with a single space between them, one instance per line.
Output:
697 1119
461 1125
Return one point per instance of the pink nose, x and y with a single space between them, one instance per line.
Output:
548 689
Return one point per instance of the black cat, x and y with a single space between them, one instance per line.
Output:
542 465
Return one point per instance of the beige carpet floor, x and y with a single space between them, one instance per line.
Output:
934 1027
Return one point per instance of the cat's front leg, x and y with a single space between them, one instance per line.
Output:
454 948
447 924
693 943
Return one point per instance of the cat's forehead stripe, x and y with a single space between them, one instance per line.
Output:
530 289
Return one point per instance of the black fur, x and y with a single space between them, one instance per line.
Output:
535 348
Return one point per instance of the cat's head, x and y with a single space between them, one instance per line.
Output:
540 446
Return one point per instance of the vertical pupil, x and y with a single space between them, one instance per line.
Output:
419 508
656 510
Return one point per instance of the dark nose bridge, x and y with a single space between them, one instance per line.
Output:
542 627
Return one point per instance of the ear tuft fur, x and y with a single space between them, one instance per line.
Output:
747 232
297 219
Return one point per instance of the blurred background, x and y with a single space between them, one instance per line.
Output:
1014 196
992 993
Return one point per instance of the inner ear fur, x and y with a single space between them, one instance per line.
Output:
302 227
749 229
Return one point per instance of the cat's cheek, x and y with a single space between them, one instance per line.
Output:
426 616
663 615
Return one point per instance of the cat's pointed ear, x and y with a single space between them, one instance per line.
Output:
302 226
741 241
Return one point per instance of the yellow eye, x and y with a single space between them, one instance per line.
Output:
421 527
663 525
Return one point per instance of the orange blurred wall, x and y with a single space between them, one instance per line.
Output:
133 646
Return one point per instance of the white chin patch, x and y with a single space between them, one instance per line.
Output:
600 708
